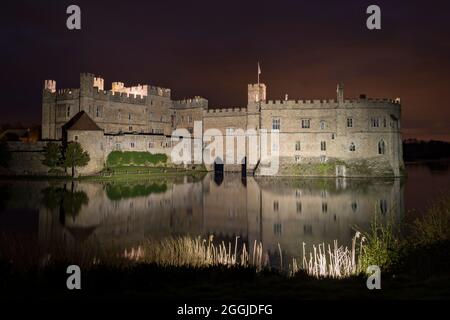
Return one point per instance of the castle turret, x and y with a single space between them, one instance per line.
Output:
99 83
50 85
256 92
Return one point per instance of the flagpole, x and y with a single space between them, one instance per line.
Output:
258 74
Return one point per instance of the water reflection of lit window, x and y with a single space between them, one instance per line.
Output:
324 207
383 206
276 205
277 229
299 207
307 229
298 193
323 193
354 206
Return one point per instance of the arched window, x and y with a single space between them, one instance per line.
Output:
352 147
381 147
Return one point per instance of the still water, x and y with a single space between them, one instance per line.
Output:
278 212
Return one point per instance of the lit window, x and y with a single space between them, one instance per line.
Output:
276 206
277 229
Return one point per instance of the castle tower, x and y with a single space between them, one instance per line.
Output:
48 109
256 92
256 97
87 82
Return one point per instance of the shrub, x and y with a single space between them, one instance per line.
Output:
434 225
130 158
381 246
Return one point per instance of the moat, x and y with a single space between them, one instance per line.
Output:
286 211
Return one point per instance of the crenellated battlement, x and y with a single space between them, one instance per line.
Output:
196 102
159 91
99 83
68 93
50 85
327 103
222 111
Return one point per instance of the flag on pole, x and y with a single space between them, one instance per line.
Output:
259 71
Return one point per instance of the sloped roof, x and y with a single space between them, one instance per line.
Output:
81 121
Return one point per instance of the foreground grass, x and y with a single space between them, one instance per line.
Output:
170 283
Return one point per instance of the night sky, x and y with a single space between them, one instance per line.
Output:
211 48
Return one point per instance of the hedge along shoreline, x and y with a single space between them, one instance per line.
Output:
134 158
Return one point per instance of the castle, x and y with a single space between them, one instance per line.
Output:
335 137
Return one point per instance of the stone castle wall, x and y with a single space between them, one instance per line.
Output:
358 137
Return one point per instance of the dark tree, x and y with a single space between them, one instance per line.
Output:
52 154
75 156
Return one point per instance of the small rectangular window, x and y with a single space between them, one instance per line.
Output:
375 122
349 122
323 146
276 124
297 146
276 206
306 123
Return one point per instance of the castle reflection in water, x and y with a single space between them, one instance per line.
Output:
285 211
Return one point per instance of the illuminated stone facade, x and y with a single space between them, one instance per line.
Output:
334 137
